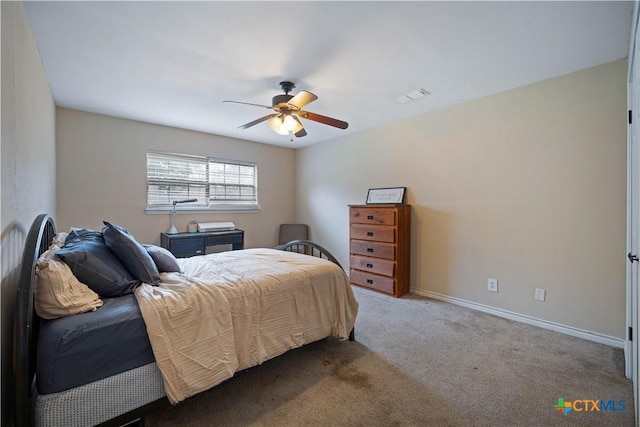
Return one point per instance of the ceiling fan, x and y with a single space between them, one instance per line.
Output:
288 109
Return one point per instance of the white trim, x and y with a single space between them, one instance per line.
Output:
563 329
631 346
164 210
632 39
628 347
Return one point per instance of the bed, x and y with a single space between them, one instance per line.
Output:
160 343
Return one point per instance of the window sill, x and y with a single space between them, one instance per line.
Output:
181 211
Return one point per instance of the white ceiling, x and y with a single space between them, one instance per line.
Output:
173 63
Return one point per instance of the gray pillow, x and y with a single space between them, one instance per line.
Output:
165 260
95 265
131 253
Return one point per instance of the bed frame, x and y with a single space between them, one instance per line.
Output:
26 325
309 248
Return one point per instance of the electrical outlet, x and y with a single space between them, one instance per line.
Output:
540 294
492 285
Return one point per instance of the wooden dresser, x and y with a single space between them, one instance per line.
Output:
379 247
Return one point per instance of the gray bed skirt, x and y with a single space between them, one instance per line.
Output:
94 403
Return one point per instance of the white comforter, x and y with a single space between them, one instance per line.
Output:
229 311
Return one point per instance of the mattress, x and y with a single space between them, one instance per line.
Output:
88 347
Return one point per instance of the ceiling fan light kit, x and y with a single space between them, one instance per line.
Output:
287 110
283 124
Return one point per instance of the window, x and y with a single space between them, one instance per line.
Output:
217 184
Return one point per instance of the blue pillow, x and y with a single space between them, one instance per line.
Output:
95 265
131 253
165 260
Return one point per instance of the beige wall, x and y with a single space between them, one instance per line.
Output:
527 186
28 165
101 175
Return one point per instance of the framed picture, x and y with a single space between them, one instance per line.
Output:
391 196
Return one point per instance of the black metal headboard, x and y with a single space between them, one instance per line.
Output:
26 323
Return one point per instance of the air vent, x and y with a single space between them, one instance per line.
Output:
411 96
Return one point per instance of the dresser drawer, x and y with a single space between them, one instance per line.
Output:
373 281
372 216
376 249
373 265
379 233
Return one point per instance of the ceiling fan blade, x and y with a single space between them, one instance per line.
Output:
323 119
299 130
301 99
248 103
260 120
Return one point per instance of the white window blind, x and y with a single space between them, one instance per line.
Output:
216 183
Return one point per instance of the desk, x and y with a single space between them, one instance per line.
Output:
184 245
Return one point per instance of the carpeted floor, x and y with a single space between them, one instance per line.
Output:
421 362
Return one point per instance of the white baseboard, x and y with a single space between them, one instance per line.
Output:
563 329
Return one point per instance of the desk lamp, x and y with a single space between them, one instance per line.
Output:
172 229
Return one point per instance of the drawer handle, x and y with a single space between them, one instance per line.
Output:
369 265
370 250
369 216
369 282
370 233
